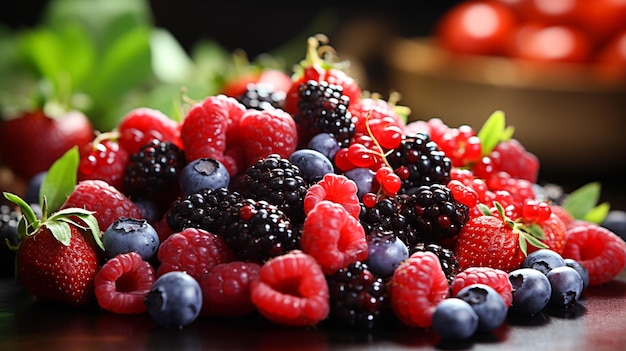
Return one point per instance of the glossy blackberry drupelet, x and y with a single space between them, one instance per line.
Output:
204 209
419 161
322 107
388 215
261 96
257 230
449 263
358 299
153 172
278 181
434 213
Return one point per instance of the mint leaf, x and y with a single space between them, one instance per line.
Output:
60 180
580 201
490 134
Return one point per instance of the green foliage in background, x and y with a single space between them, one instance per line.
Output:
105 57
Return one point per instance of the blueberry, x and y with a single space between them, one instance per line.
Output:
584 273
174 300
313 164
130 234
487 303
615 221
363 178
385 254
567 286
543 260
325 143
454 318
203 173
531 291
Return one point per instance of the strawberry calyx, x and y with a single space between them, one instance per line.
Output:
494 131
528 233
58 222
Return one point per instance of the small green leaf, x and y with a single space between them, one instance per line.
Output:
536 242
61 231
522 244
27 211
60 180
92 224
535 231
579 202
598 213
170 62
490 134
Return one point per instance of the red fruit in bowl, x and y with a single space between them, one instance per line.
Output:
30 143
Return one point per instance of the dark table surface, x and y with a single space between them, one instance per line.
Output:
598 322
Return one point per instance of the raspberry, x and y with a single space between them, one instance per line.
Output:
123 282
105 200
226 289
336 188
509 156
103 159
333 236
447 259
416 287
194 251
495 278
598 249
141 125
262 133
291 290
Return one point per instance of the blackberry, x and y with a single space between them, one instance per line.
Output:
261 96
278 181
322 107
358 299
447 258
389 215
204 209
257 230
434 213
419 161
153 171
9 219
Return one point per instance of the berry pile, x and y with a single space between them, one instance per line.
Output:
324 206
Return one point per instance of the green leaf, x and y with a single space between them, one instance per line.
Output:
170 62
124 66
535 231
42 48
27 212
598 213
61 231
579 202
60 180
490 134
94 228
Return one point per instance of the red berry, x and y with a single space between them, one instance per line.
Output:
495 278
226 289
103 159
266 132
108 203
416 287
194 251
291 290
141 125
30 143
333 236
203 131
123 282
598 249
509 156
337 188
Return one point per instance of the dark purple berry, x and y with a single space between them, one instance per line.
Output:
203 173
454 318
175 300
130 235
313 164
531 291
487 303
567 286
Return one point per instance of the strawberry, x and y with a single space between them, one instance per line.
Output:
495 241
317 68
106 201
31 142
55 261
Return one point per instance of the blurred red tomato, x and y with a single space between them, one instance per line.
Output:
612 57
551 43
550 11
476 27
602 19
